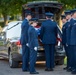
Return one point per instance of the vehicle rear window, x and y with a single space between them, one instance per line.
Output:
39 12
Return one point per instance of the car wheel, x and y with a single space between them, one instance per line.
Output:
12 63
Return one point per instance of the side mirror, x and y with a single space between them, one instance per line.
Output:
2 36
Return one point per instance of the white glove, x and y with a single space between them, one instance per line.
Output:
35 48
27 44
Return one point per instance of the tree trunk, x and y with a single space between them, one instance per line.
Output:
60 22
59 19
5 19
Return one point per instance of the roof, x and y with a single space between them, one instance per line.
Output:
36 2
41 3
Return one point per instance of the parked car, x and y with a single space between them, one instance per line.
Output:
13 32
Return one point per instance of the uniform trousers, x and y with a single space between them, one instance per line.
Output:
25 57
33 58
49 55
73 57
69 56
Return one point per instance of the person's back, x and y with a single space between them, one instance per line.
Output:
48 32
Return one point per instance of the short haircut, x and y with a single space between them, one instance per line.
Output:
26 14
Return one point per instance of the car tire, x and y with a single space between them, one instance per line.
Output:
60 62
12 63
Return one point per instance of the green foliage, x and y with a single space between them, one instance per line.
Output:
14 6
2 24
68 4
11 7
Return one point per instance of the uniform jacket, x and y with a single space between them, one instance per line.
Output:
68 31
48 32
73 33
32 37
64 33
24 32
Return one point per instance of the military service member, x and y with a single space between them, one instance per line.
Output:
24 41
73 41
64 27
33 45
68 37
48 36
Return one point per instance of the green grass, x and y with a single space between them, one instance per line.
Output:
65 60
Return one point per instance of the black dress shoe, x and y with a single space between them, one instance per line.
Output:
69 69
49 69
73 72
25 70
34 72
65 68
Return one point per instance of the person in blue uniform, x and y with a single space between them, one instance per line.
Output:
33 44
63 18
48 35
64 27
73 40
68 34
24 41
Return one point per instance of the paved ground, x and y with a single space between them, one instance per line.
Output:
5 70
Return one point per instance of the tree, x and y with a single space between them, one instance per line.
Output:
4 9
8 7
68 5
11 7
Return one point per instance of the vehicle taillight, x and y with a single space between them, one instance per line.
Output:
18 43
